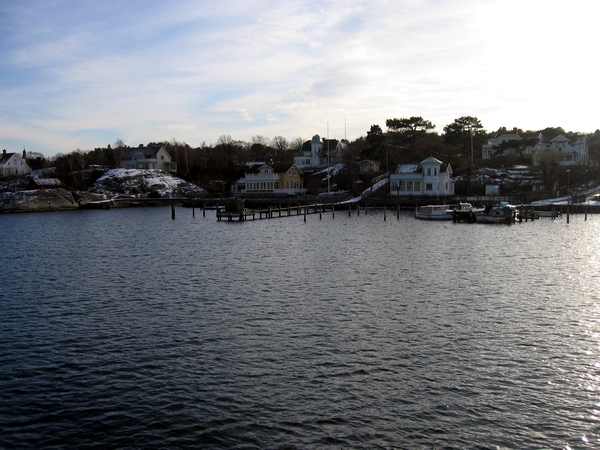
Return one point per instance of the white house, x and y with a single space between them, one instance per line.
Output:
560 148
488 149
430 177
563 150
155 157
315 153
13 164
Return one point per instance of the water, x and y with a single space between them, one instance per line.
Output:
124 328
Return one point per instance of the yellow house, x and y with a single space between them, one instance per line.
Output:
291 180
272 180
367 165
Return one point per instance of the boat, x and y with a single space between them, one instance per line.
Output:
500 213
465 212
544 213
434 212
458 213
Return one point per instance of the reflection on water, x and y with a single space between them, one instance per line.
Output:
126 328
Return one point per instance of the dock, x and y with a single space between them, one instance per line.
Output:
236 211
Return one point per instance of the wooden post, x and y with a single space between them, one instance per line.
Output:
349 212
305 211
332 211
398 212
173 212
384 213
193 210
204 210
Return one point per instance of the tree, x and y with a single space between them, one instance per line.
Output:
518 145
466 132
280 144
376 139
410 129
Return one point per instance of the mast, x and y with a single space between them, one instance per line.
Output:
328 161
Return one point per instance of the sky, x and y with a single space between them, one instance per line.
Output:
82 74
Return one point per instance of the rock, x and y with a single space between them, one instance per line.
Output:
37 200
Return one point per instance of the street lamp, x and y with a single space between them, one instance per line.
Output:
568 187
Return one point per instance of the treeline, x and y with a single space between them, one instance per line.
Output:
404 140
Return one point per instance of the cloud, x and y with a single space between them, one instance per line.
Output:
77 70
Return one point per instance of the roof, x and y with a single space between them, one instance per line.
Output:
5 157
431 160
46 181
408 168
141 153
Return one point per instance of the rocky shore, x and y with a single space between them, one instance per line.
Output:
116 188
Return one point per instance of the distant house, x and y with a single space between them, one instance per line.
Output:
13 164
561 149
317 152
265 179
368 166
490 147
431 177
155 157
565 151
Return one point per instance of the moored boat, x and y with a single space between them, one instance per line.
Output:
434 212
500 213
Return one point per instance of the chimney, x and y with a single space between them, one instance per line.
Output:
4 152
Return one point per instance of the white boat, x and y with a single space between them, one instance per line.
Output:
544 213
501 213
434 212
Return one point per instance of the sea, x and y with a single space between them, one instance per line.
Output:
126 328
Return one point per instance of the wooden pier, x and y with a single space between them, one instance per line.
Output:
239 213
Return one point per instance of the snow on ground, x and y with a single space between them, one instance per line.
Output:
333 170
142 181
593 200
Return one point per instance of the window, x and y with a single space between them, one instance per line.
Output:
162 157
429 171
435 171
429 186
417 186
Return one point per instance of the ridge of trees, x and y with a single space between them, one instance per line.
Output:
405 140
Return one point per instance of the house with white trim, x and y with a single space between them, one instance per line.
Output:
565 151
154 157
317 153
431 177
270 179
13 164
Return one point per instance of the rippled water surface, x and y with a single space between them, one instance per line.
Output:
124 328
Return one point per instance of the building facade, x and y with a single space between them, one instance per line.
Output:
13 164
155 157
431 177
265 179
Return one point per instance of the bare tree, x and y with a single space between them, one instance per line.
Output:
280 144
